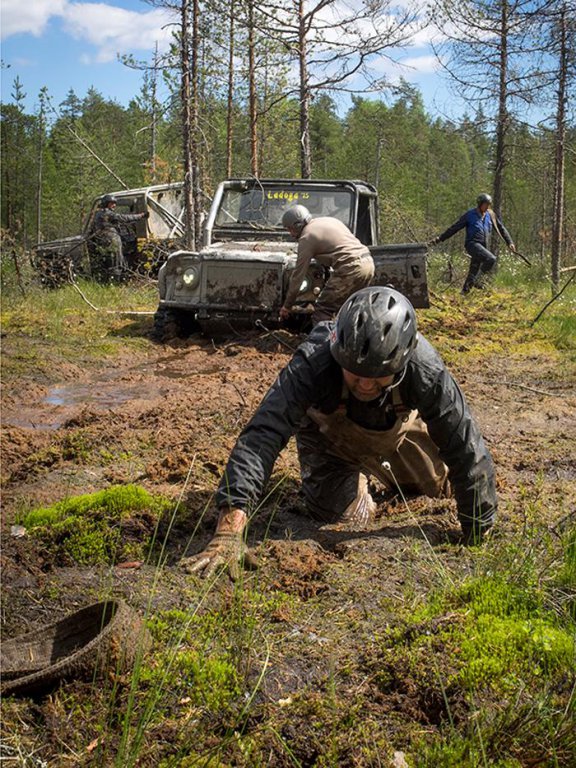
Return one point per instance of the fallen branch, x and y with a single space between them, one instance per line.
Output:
532 389
107 311
553 299
76 287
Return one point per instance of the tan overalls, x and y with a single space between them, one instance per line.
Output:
334 463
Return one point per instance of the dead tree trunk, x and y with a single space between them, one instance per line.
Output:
194 144
305 153
230 102
253 104
40 165
154 115
503 117
189 213
558 201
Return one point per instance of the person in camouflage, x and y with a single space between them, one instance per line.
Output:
109 260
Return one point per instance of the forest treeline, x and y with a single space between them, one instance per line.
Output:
246 118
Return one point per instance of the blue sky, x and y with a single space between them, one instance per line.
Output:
65 44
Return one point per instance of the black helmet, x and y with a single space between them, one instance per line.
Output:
297 217
106 200
484 198
375 333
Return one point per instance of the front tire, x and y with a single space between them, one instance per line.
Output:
172 324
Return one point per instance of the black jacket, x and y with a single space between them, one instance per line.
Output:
313 378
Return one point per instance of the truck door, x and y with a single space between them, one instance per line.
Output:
403 267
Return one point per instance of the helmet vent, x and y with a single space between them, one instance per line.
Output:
374 297
387 329
391 302
365 349
407 322
360 320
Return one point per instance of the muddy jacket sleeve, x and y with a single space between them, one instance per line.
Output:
275 421
431 389
126 218
456 227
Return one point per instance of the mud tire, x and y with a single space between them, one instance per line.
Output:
100 638
172 324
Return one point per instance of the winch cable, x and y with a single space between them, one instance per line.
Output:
259 324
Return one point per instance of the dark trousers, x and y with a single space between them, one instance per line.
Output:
481 262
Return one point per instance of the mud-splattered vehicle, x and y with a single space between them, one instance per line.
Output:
242 272
146 244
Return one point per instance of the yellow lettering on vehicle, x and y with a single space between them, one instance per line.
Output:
288 195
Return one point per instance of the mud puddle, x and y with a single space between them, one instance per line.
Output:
60 402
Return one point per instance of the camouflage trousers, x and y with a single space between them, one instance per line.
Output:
341 284
336 455
107 259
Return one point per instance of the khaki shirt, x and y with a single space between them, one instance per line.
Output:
331 243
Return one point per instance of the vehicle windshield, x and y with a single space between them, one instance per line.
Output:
263 207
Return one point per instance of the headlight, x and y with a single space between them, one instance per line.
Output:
190 277
305 285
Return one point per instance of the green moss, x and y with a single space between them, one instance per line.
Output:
497 635
114 524
118 500
456 752
502 652
210 681
500 635
76 447
497 596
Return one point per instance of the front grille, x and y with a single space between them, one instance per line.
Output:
242 285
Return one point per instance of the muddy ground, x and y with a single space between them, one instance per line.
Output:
166 417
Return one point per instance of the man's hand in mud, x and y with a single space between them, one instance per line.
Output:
227 550
284 313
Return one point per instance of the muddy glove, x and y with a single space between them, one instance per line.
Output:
362 510
226 550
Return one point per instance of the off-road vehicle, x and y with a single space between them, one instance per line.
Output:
146 243
242 272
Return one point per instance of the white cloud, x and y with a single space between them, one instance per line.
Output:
21 61
30 17
421 64
115 30
109 29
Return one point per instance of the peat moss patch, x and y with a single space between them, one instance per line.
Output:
488 645
109 526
